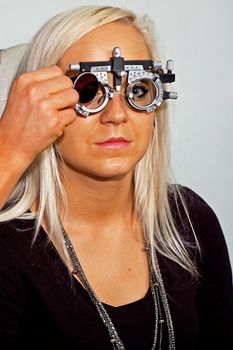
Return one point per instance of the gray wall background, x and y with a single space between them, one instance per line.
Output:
198 36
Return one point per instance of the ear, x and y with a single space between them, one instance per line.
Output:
9 62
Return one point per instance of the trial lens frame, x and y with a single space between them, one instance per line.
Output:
135 70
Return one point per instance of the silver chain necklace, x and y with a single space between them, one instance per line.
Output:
158 294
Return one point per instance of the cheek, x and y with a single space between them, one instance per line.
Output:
73 140
145 130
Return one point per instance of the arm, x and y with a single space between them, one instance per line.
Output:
39 107
11 168
214 297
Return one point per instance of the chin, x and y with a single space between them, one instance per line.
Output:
111 174
101 170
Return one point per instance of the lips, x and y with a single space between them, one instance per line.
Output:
114 142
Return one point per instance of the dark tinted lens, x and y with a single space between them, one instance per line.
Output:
87 86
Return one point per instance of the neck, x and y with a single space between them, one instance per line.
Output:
96 203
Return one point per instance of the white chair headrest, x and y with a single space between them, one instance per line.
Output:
9 62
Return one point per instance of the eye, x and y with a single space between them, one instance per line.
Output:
140 91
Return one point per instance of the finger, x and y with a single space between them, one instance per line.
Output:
67 117
64 99
31 79
52 85
45 73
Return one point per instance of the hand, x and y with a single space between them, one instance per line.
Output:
39 107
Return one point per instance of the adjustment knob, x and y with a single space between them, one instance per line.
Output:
74 66
170 65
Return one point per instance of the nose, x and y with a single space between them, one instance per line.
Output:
116 111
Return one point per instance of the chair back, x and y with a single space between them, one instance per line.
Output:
9 61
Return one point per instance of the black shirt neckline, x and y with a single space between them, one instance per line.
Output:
139 303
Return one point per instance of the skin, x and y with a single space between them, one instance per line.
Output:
101 220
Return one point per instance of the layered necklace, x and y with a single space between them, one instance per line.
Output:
162 313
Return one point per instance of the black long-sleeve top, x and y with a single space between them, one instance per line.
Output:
42 306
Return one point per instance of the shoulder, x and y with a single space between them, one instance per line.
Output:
23 260
194 216
16 243
192 200
187 203
16 231
15 257
207 228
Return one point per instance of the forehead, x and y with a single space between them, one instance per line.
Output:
98 44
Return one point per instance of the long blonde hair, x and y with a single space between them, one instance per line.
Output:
152 187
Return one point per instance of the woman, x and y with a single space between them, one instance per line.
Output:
98 249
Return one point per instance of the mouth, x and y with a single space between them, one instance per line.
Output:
114 143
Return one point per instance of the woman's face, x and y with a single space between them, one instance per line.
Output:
108 144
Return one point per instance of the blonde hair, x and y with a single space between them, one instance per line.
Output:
152 188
